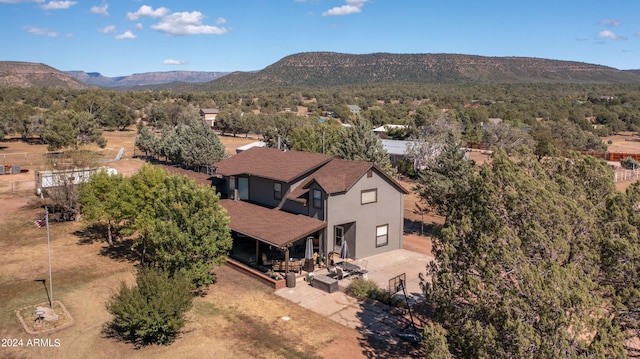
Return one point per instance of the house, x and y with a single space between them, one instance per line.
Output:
354 109
209 115
383 129
278 200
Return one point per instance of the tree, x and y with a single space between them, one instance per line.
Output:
116 115
435 341
319 137
146 141
198 144
71 129
100 198
362 144
443 178
153 311
516 270
181 227
506 136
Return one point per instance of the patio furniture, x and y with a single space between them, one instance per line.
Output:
265 260
325 283
342 274
294 266
333 271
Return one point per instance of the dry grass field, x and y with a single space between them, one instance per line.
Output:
238 318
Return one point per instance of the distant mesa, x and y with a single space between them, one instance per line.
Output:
330 69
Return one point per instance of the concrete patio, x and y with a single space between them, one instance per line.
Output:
364 316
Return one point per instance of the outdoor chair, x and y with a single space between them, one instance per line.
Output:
333 271
265 260
342 274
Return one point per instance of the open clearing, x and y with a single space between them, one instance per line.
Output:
238 318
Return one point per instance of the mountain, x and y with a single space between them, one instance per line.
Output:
145 79
28 74
323 69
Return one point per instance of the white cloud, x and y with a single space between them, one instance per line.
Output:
146 10
606 34
221 21
58 5
352 7
611 22
127 35
174 62
186 23
139 26
100 10
40 31
110 29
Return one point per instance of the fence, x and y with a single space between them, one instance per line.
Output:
18 186
626 175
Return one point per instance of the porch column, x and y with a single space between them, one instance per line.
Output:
286 259
257 252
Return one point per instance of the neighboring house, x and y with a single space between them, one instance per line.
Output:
209 115
251 145
277 200
397 150
354 109
383 129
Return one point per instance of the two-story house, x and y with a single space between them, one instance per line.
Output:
209 116
277 199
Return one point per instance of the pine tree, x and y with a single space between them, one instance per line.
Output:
362 144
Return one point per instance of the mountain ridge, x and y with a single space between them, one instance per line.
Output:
318 69
145 78
329 69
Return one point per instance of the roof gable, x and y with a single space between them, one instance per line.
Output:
338 176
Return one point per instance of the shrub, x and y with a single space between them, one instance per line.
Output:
153 311
364 288
629 163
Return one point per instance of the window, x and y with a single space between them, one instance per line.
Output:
338 235
369 196
277 190
382 238
317 198
243 188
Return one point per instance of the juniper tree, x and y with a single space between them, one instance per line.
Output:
362 144
517 270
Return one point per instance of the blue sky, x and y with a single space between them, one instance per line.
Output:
131 36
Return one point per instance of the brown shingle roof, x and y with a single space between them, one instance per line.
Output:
272 163
271 226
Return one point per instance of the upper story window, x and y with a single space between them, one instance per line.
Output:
243 188
277 190
317 198
369 196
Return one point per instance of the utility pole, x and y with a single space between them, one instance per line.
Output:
49 253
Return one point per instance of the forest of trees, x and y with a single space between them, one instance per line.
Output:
555 118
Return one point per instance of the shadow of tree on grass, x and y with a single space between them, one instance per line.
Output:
121 250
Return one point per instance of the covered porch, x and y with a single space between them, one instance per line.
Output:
270 240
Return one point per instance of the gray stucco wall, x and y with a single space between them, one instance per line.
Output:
388 209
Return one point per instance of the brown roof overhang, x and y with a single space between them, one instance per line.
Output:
272 226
